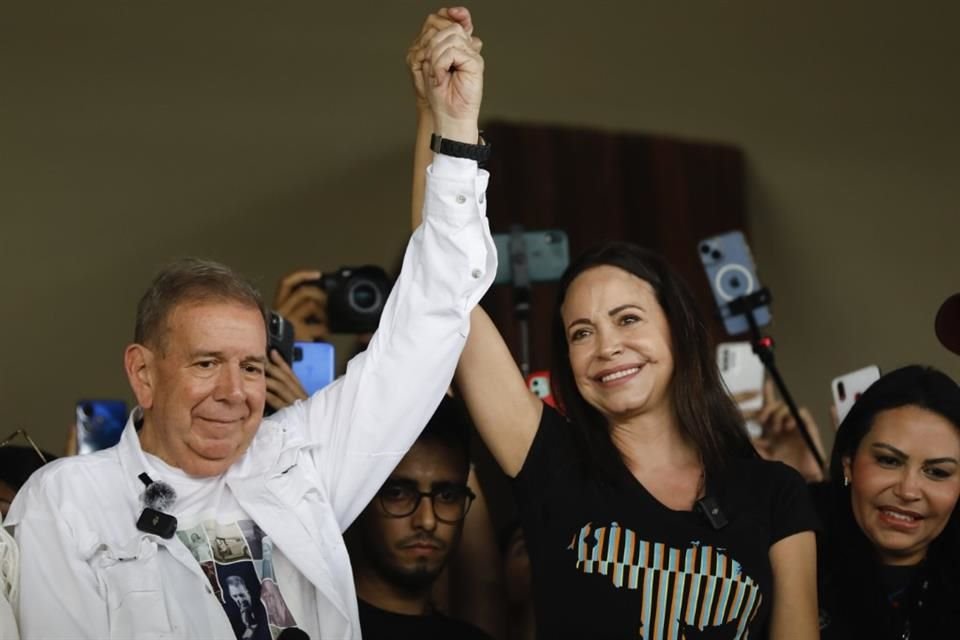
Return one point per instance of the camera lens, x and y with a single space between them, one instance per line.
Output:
364 297
88 409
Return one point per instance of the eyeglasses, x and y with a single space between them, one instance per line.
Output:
26 436
450 502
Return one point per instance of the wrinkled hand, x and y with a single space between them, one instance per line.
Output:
781 439
283 386
418 50
452 75
305 307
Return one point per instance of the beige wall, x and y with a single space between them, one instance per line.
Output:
277 135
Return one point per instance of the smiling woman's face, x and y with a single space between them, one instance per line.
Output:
619 343
905 482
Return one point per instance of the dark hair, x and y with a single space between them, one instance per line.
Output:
706 414
190 280
17 463
849 555
450 424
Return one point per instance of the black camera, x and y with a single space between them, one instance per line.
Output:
355 298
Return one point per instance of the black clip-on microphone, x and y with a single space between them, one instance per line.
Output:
709 508
156 498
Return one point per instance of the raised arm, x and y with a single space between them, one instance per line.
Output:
504 410
362 425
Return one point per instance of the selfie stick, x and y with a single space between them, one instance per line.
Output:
520 277
763 347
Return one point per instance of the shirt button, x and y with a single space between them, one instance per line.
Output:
461 199
476 273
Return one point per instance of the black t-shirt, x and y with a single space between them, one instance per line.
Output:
376 623
615 563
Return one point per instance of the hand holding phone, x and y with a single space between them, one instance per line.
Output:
742 373
283 387
848 388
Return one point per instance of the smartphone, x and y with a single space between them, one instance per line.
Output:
281 336
848 388
742 372
539 383
729 265
99 424
547 254
313 364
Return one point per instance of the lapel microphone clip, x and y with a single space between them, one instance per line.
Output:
156 498
709 508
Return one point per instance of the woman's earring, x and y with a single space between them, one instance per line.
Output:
846 481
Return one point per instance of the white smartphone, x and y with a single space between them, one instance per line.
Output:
848 388
742 372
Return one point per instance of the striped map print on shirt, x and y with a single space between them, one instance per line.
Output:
680 589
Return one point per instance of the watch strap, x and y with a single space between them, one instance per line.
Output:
479 152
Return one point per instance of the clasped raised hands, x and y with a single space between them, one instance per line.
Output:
447 71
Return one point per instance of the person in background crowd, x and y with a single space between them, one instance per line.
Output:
890 549
17 464
198 450
519 590
401 542
947 323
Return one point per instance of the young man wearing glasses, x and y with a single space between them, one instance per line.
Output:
401 542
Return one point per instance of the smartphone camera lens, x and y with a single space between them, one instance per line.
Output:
88 409
705 249
716 254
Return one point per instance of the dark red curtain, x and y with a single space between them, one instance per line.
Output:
663 193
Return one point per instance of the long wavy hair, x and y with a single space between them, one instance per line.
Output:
850 558
706 415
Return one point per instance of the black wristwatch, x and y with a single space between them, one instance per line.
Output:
479 152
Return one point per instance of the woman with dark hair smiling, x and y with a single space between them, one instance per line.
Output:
890 554
646 512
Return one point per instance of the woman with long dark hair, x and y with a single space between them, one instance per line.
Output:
645 510
890 551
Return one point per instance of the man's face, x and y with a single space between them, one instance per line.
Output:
412 550
240 596
203 393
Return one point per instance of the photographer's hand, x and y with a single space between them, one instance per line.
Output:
283 387
304 305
